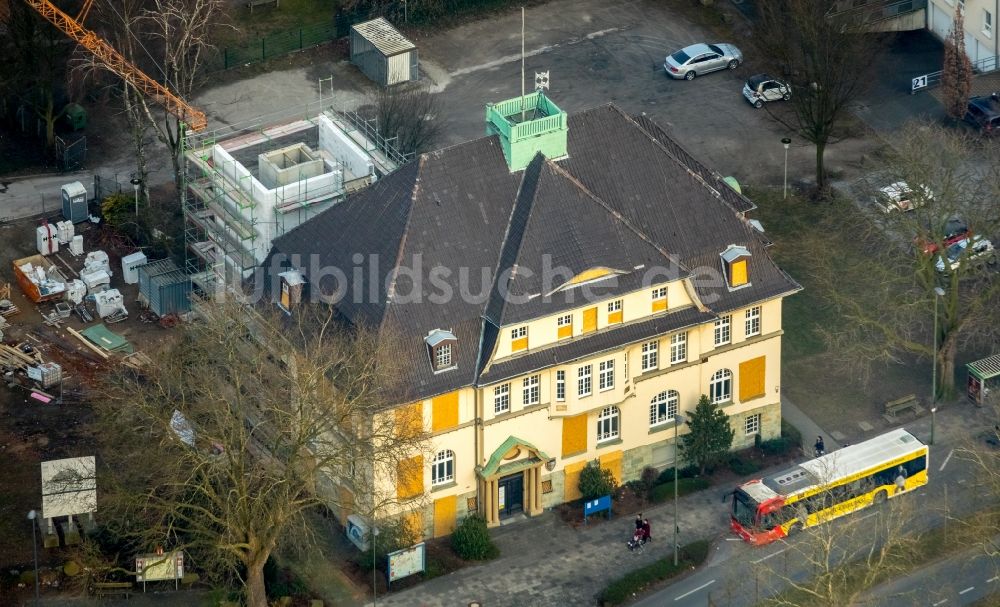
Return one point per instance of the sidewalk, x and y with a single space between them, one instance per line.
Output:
545 563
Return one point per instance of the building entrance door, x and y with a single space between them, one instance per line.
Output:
511 494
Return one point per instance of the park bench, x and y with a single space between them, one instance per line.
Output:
111 588
894 407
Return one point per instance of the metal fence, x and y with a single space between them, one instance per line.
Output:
933 79
299 38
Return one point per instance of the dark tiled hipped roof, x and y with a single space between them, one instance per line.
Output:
456 241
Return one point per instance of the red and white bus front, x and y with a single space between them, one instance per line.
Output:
753 516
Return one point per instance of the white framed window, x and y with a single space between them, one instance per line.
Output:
442 356
752 424
720 388
530 390
614 306
987 23
722 333
501 398
678 348
607 424
583 381
606 375
650 355
753 321
565 321
560 385
659 293
443 467
663 407
519 332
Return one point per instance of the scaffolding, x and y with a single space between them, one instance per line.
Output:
246 185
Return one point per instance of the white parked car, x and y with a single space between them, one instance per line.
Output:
966 249
900 196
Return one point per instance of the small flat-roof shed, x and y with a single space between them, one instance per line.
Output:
164 287
984 379
382 53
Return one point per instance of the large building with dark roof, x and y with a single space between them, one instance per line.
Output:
557 292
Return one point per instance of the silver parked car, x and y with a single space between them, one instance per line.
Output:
761 88
698 59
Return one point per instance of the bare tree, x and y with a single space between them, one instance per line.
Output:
827 58
170 39
910 256
245 425
407 115
956 76
35 69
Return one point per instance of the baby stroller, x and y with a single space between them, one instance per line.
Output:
639 539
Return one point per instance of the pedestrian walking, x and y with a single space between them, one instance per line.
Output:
819 446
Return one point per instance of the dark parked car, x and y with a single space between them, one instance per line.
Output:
984 114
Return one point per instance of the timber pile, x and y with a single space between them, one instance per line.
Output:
137 360
14 357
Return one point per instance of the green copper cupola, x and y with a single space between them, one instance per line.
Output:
528 125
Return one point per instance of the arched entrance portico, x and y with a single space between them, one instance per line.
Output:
511 481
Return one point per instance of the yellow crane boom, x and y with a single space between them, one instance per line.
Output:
195 119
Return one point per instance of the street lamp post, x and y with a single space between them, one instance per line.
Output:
784 188
933 411
32 515
135 187
678 420
938 294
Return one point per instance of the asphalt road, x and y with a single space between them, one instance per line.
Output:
739 575
959 580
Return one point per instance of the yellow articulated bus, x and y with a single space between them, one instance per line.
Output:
829 486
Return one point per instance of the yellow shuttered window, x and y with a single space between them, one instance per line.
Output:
445 411
410 477
752 379
574 435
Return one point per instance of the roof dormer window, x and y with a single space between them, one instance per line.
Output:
736 266
441 349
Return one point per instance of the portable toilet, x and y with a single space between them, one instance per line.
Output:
47 239
130 267
74 202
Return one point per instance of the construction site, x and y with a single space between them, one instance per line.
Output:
249 184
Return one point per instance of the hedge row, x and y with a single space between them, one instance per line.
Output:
622 589
685 486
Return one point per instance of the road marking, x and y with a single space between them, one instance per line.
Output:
702 587
969 589
732 539
945 462
769 556
993 579
941 602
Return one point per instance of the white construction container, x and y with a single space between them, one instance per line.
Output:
130 267
76 245
47 239
108 302
96 281
65 231
76 290
97 260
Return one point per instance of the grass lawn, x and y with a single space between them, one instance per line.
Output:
812 377
264 20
